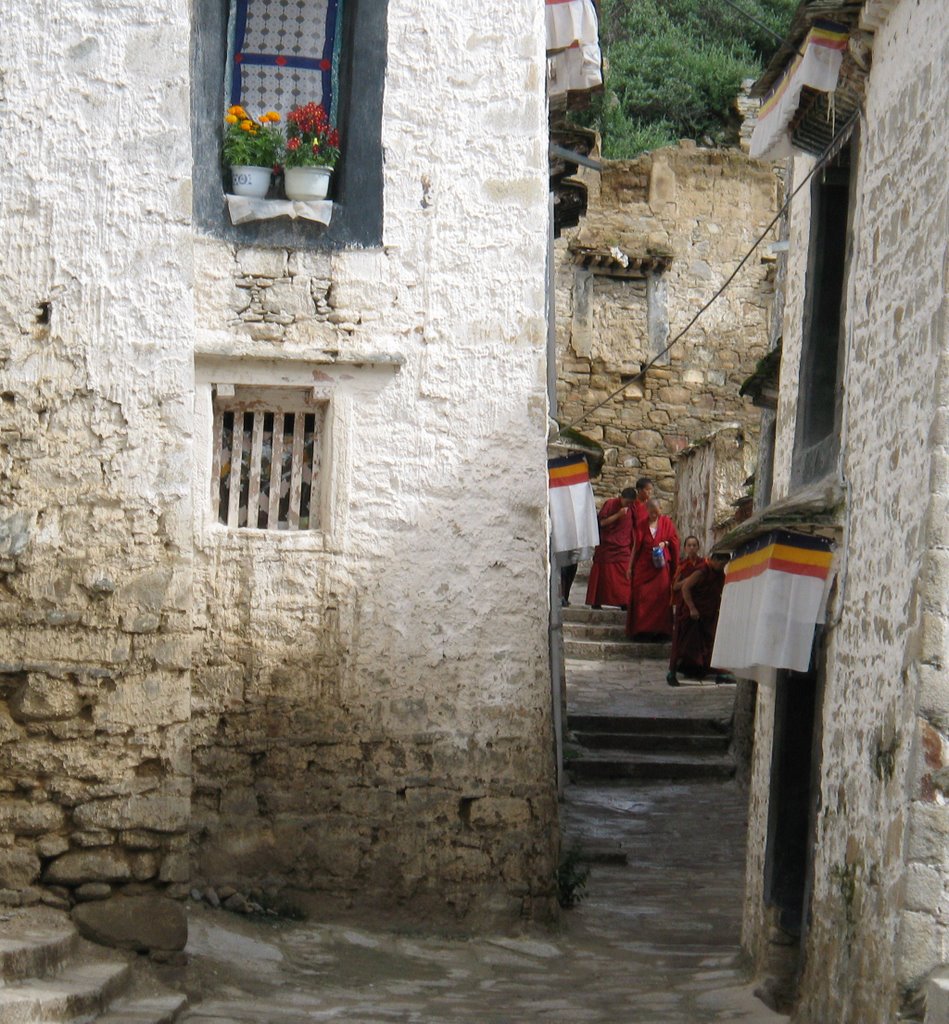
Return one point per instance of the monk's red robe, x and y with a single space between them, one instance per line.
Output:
695 638
608 583
650 609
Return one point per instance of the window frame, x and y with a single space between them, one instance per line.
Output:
815 457
357 189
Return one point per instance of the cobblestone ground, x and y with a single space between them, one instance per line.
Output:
655 941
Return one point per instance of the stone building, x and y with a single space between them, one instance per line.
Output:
847 889
661 235
342 695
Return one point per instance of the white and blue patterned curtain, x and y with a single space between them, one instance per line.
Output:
282 53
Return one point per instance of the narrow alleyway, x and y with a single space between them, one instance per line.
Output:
654 941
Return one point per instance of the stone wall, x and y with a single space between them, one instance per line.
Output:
372 710
699 211
95 433
367 704
710 476
881 861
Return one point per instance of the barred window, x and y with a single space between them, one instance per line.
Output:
267 453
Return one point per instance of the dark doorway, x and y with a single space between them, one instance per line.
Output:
792 807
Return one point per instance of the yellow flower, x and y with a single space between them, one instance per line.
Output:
231 119
247 126
238 110
271 115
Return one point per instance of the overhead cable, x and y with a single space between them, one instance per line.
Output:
833 147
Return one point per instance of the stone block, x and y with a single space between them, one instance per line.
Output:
18 868
494 812
96 865
138 923
24 818
156 812
143 865
41 698
52 845
93 891
175 867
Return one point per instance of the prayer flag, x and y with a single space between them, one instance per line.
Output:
775 594
818 68
573 523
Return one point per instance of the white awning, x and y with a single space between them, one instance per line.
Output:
818 68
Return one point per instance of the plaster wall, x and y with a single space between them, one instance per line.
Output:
879 899
704 209
710 475
371 712
96 338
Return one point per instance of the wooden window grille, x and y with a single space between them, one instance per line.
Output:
266 466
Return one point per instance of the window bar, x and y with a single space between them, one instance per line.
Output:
217 433
276 461
315 474
296 472
234 483
256 457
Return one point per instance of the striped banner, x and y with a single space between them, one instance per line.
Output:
573 523
775 594
818 68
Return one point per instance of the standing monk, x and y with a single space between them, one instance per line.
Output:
690 562
643 494
702 597
652 564
608 575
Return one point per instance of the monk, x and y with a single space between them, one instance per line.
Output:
644 487
608 584
695 634
652 565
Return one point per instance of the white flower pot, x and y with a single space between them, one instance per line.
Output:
306 183
250 181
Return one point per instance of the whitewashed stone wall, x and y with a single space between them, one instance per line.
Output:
704 209
710 477
96 299
880 904
371 702
368 706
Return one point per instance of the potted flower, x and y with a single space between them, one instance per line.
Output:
251 149
311 152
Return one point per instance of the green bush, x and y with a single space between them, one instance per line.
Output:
674 68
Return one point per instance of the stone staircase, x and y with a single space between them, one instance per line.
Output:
629 747
48 975
597 634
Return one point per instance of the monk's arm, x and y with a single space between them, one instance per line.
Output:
687 586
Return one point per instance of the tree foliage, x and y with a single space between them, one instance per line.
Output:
674 68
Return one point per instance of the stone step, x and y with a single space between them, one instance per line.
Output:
594 631
675 725
155 1009
615 766
36 943
655 741
79 991
612 650
602 616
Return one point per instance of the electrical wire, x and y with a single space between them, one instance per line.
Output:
833 147
761 24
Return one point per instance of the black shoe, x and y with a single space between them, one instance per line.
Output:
671 679
724 677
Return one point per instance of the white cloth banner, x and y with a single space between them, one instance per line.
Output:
768 621
819 69
573 522
775 594
569 22
574 70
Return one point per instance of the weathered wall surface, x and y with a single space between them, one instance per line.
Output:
710 475
95 424
371 711
882 856
704 209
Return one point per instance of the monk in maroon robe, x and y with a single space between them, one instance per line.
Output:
653 562
608 584
695 633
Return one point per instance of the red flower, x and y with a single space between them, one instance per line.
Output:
293 144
